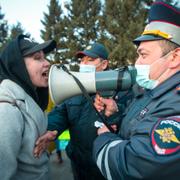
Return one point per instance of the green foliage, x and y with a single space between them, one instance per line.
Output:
3 30
115 23
74 67
72 31
123 21
54 28
82 24
16 30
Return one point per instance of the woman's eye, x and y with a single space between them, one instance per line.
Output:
37 58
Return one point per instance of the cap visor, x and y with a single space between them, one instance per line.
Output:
46 47
139 39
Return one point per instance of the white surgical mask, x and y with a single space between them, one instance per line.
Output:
142 77
87 68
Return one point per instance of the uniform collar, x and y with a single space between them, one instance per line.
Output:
138 91
171 83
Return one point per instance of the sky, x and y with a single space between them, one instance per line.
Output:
28 12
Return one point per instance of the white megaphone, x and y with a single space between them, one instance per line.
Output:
63 86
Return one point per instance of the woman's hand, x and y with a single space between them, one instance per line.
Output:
43 142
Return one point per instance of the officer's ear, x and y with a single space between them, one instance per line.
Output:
175 58
105 64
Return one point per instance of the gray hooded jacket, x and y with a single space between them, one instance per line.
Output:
23 122
22 119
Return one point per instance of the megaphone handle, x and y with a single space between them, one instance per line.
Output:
84 91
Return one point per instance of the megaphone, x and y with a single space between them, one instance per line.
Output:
63 86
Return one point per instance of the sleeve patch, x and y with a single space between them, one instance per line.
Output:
165 136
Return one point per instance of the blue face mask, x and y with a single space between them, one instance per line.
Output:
143 73
142 77
87 68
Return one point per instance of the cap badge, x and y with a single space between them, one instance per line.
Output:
88 47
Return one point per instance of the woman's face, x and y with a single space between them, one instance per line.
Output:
38 69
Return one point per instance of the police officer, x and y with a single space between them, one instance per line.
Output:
78 115
148 143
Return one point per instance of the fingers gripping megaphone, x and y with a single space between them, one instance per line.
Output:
63 86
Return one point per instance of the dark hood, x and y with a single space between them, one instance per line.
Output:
12 66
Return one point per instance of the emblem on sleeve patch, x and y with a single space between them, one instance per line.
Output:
165 136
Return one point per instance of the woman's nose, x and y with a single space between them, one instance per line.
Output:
46 62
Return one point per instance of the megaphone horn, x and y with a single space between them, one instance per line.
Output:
63 86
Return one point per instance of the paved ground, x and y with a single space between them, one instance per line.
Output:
60 171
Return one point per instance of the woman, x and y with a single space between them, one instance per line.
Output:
23 98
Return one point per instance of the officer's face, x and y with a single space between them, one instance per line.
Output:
150 53
100 64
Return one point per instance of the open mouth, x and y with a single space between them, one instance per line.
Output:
45 74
